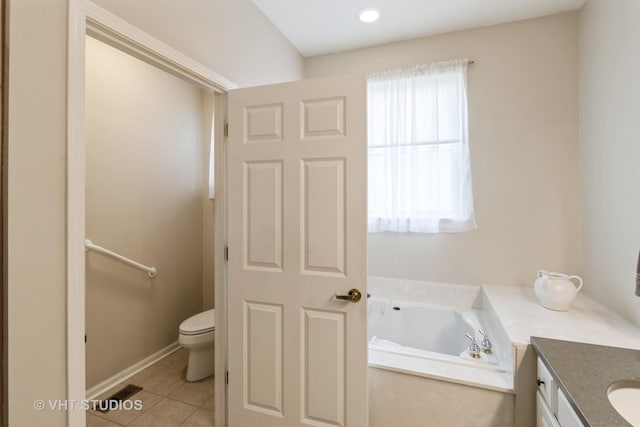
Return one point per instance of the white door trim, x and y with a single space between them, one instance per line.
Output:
85 18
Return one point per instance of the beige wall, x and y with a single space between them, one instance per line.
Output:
36 215
232 36
610 152
146 142
251 51
523 129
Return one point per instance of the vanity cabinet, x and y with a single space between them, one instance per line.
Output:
545 417
553 407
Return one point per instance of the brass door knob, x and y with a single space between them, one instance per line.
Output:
354 295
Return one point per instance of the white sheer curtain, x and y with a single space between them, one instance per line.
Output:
419 169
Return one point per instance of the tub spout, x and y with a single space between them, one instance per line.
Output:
473 348
485 345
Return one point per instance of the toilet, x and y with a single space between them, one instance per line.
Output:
197 335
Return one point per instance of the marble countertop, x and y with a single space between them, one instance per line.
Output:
585 372
587 321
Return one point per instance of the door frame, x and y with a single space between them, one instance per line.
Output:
86 18
3 206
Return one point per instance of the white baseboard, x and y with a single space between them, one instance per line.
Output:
105 385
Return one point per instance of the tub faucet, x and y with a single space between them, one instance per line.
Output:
485 345
473 348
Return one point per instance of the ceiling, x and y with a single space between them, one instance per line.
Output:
318 27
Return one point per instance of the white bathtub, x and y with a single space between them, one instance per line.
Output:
429 340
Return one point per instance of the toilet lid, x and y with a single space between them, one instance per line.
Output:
199 323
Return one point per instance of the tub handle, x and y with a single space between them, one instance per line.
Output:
354 295
473 348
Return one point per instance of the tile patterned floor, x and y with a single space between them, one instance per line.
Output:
168 400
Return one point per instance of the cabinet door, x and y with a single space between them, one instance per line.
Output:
547 385
566 415
545 417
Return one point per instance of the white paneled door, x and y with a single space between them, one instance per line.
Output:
297 238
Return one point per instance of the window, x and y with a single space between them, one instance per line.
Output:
419 169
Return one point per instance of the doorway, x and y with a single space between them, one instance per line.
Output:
147 156
88 19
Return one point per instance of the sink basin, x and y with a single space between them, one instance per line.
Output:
625 396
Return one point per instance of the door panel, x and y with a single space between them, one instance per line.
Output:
263 216
323 367
297 237
323 227
262 123
263 357
323 118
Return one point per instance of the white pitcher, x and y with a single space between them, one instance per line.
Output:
556 291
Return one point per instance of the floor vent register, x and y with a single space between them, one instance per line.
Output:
115 401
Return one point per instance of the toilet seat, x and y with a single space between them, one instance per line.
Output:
200 323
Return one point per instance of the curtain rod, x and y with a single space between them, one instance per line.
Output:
471 62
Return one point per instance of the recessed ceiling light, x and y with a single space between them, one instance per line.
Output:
370 14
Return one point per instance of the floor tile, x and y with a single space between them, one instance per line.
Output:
167 413
200 418
173 357
93 421
160 381
209 404
146 374
168 399
193 393
180 364
126 416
